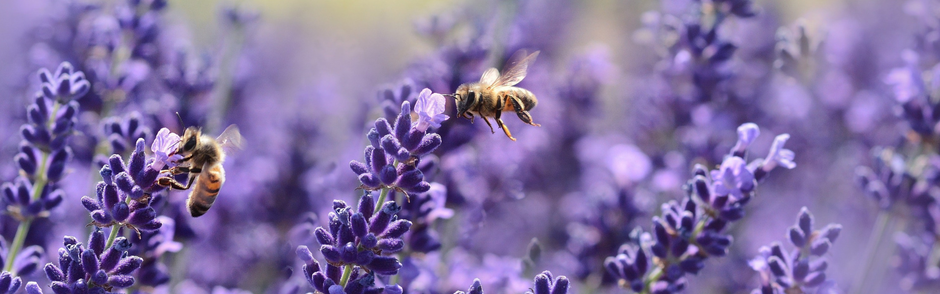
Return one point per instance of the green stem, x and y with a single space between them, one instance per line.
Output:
17 244
874 242
38 186
347 271
382 198
114 233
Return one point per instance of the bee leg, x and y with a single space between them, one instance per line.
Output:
505 129
521 112
172 183
468 116
488 123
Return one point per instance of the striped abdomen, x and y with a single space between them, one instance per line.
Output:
206 189
525 97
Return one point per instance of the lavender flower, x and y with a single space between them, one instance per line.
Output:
125 192
92 269
545 285
358 241
9 284
164 148
685 234
121 132
65 84
392 159
430 109
799 270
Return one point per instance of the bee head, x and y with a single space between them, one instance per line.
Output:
189 140
465 98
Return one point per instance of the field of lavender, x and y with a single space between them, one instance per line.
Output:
684 146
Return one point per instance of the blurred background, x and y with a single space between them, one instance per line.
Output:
630 99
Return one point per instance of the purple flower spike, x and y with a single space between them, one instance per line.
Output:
802 270
430 109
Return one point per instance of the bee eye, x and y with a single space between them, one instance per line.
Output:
190 144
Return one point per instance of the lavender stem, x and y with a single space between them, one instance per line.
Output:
40 184
347 271
874 242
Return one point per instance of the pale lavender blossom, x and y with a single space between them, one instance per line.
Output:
430 109
778 155
733 178
164 147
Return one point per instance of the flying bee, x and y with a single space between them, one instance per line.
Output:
202 160
495 93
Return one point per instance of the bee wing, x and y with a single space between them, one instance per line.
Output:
489 77
515 69
231 139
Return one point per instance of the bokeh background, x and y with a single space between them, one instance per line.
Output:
625 112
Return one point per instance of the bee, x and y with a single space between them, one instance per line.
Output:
495 93
202 160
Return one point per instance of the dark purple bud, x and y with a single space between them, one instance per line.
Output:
388 174
374 138
53 200
370 180
136 193
23 196
101 217
542 285
60 288
33 288
777 266
410 179
396 229
349 253
9 194
382 127
111 256
317 280
720 201
659 250
831 232
368 155
679 247
805 221
380 221
128 265
124 182
331 253
96 241
428 144
732 214
336 289
818 265
36 116
36 136
613 267
476 287
25 163
106 175
57 164
421 187
391 245
358 167
358 225
54 273
366 206
723 52
378 160
389 289
304 254
659 231
369 241
561 285
324 237
333 272
797 238
121 281
89 261
142 216
801 269
100 277
692 265
364 257
121 212
116 163
75 271
136 166
820 246
384 265
815 279
403 122
391 144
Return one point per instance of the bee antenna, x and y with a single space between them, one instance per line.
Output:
182 125
451 95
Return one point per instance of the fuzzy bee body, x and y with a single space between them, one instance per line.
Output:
203 156
495 93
